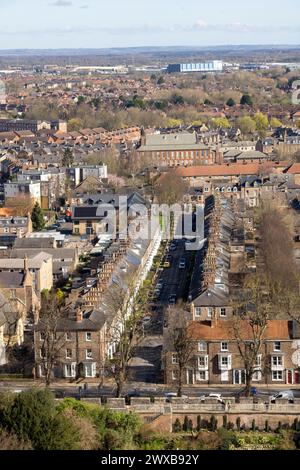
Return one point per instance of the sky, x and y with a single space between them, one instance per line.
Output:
43 24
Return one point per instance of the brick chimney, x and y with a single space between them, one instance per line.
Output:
79 315
26 264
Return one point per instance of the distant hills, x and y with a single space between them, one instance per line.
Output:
147 50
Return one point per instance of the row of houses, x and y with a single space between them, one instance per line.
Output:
220 268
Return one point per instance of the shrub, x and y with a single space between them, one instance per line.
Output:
213 423
227 439
238 423
267 426
199 420
114 440
279 428
225 421
10 441
177 426
185 426
190 425
295 424
208 441
253 425
32 417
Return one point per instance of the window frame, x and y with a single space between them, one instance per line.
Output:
223 309
274 346
197 309
90 336
87 356
227 346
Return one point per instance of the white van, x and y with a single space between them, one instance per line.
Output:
283 395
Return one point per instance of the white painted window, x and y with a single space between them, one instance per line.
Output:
209 312
224 346
88 337
174 374
223 312
277 346
174 358
201 375
68 353
88 354
202 362
198 311
256 376
90 369
277 361
70 369
202 346
277 375
258 360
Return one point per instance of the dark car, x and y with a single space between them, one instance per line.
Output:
130 395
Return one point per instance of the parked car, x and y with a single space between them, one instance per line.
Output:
133 394
216 396
182 263
170 395
168 261
159 285
173 247
146 319
283 395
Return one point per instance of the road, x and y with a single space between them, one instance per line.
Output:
144 389
146 363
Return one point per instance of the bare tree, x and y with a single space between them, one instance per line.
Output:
170 189
181 341
126 306
21 205
249 323
52 339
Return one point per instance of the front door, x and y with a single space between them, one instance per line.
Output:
190 376
293 376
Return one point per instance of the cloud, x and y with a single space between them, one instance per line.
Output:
84 7
152 29
61 3
237 27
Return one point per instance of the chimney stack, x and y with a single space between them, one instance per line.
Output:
25 264
79 315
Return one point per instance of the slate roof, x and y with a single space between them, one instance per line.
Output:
11 279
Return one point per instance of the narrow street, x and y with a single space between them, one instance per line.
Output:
146 364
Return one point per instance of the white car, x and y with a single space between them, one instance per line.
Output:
216 396
146 319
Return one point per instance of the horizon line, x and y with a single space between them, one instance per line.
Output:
294 45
